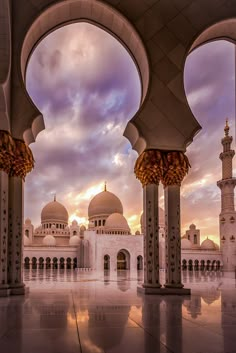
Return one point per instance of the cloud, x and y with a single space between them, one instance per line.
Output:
87 87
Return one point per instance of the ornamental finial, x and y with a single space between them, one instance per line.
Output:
105 186
226 127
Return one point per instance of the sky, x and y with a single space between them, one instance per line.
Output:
87 87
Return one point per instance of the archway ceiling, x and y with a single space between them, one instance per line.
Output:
168 29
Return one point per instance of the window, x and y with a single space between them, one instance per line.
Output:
27 232
188 237
99 223
195 238
96 223
103 222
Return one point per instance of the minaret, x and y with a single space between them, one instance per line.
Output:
227 217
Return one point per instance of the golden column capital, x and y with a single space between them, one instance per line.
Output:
176 166
23 161
149 167
168 166
7 147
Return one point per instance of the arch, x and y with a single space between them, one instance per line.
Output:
27 232
74 232
34 263
75 262
41 263
68 263
106 260
195 239
218 265
48 263
139 262
202 267
208 265
196 265
225 29
97 13
55 263
62 263
27 263
190 265
123 260
184 264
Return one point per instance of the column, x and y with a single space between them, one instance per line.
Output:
148 169
173 237
176 167
4 288
22 163
15 236
151 236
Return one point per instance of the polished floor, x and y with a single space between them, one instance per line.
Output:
83 311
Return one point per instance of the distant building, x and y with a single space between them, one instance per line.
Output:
108 243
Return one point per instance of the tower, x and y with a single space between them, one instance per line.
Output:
227 217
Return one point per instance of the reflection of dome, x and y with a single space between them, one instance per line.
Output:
74 240
117 222
26 240
161 217
49 240
208 244
105 203
54 212
185 243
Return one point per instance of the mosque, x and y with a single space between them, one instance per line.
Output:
108 244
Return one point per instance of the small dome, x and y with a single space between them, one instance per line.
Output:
83 228
54 212
26 241
74 223
186 243
74 240
137 232
28 221
105 203
49 240
208 244
117 222
161 217
192 226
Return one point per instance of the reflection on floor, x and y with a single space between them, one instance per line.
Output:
83 311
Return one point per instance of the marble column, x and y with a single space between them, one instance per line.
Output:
15 236
4 288
151 236
173 237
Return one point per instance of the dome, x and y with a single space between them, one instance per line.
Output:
186 244
26 240
192 226
54 212
161 217
117 222
74 240
74 223
49 240
104 203
137 232
28 221
208 244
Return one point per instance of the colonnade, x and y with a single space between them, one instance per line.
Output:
151 168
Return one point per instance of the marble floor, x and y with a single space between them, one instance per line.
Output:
83 311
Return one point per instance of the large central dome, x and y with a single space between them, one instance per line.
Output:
104 204
54 212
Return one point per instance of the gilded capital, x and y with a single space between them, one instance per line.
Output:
6 151
176 166
149 167
23 161
169 167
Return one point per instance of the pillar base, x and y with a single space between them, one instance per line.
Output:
163 291
19 290
4 291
